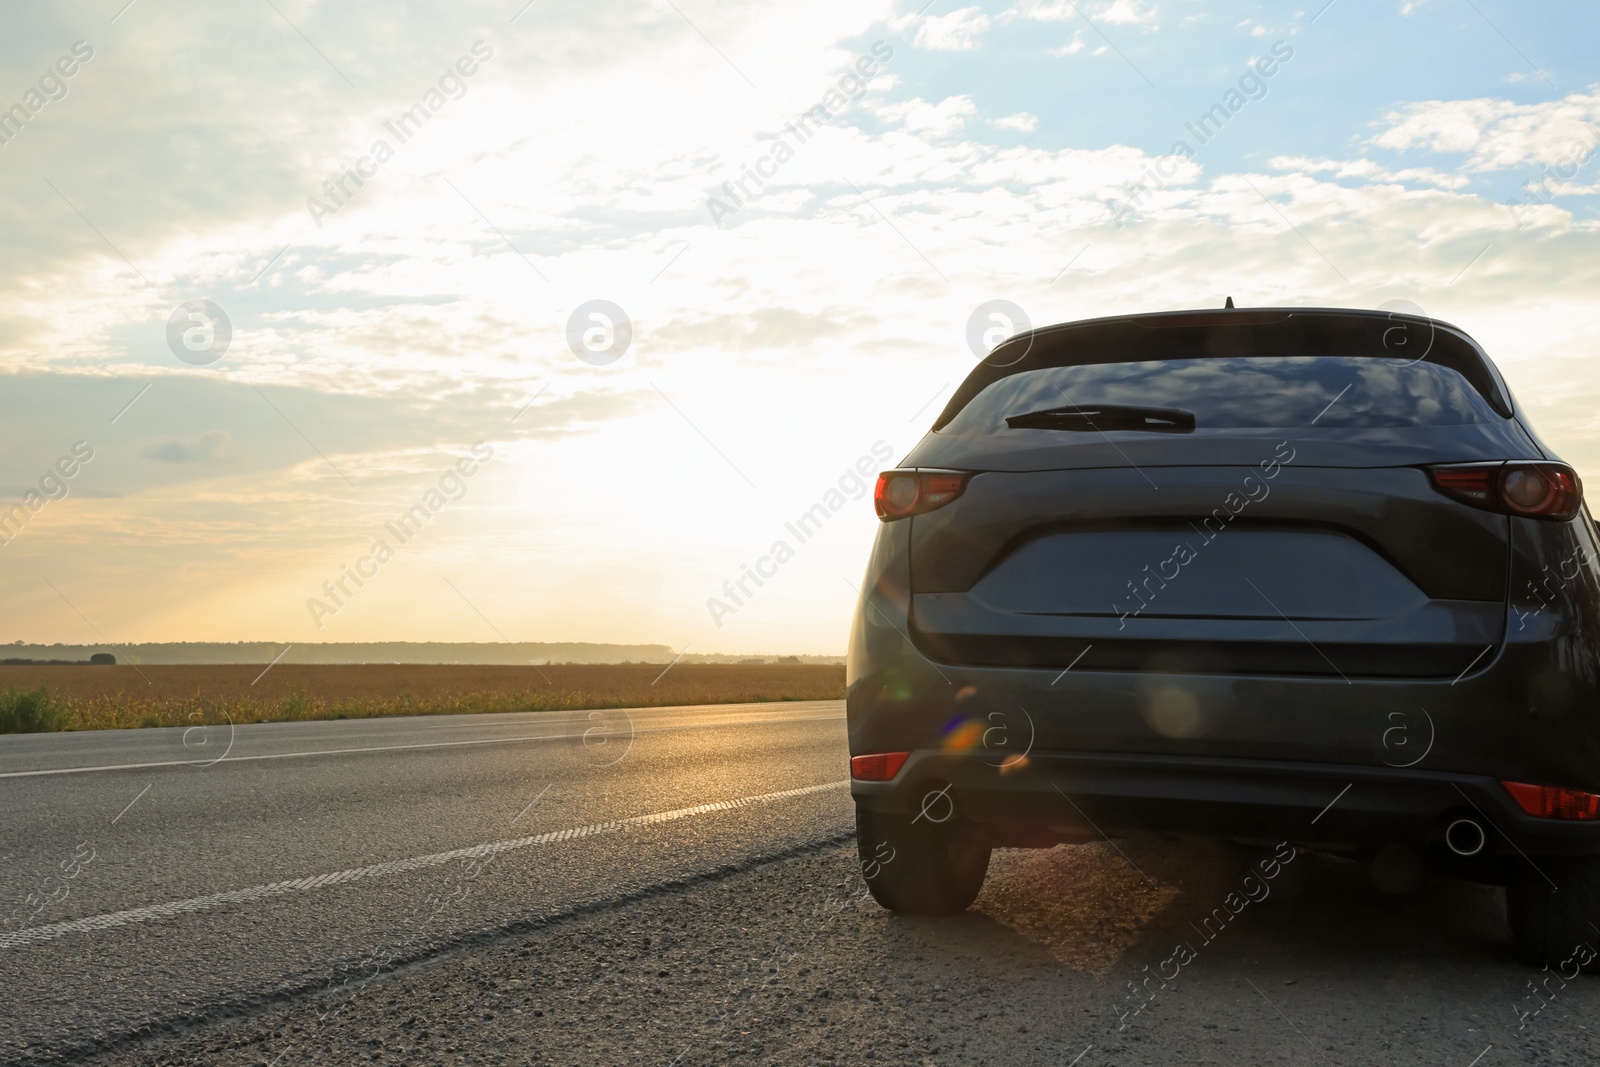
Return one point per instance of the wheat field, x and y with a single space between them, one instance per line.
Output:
39 698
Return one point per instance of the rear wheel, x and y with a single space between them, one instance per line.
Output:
1554 910
920 867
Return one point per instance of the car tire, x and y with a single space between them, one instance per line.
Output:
1551 924
918 867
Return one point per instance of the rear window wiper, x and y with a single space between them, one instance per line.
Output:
1106 417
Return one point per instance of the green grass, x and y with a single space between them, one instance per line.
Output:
31 711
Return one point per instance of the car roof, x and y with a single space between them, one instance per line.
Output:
1225 317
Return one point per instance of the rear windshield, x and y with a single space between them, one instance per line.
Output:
1222 392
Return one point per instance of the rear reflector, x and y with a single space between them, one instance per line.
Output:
1554 802
878 767
1537 490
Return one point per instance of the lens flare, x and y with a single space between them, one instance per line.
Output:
963 735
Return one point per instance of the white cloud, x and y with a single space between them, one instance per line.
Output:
1040 11
1561 188
1072 47
1498 134
940 120
1114 12
958 31
1126 13
1368 171
1022 121
209 447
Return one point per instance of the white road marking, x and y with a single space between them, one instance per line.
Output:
398 748
212 901
278 755
791 713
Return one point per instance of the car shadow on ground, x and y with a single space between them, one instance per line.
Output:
1102 908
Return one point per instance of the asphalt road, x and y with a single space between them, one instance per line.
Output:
150 824
671 886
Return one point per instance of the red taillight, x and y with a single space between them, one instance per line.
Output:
1549 491
940 489
1554 802
878 767
1471 485
912 492
1537 490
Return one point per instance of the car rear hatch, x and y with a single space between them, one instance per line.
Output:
1282 522
1311 571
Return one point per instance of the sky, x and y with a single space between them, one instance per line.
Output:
252 371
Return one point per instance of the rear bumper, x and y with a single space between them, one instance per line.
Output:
1244 756
1082 797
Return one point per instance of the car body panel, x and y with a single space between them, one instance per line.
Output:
1428 650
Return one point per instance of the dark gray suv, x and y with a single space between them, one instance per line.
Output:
1268 576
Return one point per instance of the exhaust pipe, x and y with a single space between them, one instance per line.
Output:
1465 837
